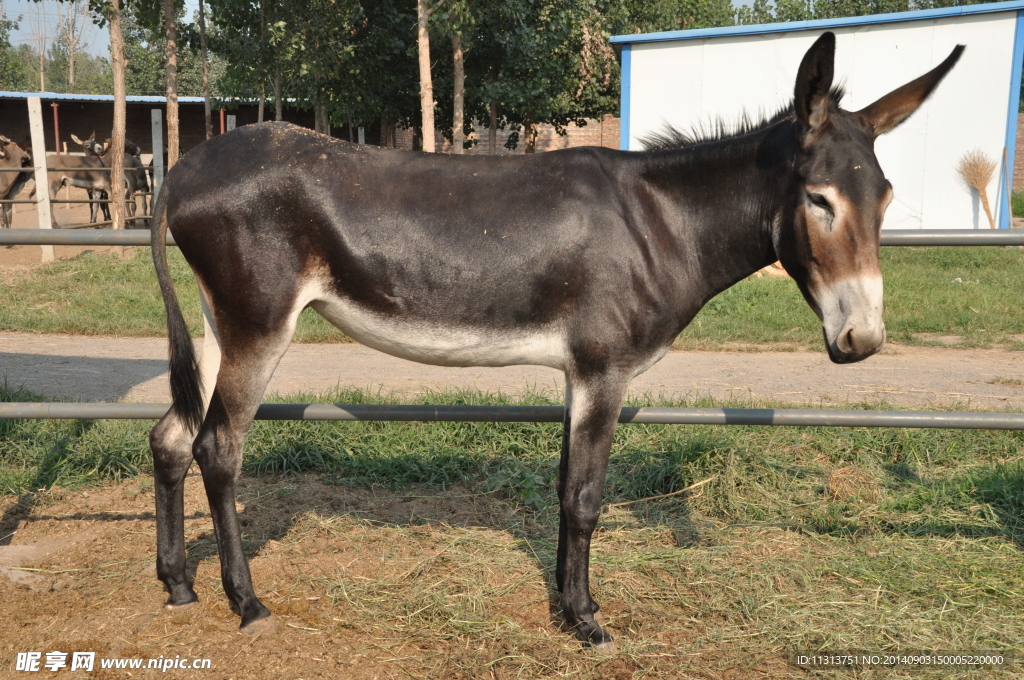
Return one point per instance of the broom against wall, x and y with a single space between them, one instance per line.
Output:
977 169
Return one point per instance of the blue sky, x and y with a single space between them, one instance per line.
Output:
35 12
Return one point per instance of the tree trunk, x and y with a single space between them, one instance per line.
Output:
458 134
426 84
262 70
206 71
71 69
320 121
277 93
492 139
529 135
117 136
171 33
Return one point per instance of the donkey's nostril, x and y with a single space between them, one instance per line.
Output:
859 340
846 341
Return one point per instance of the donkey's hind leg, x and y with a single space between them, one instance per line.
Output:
250 355
171 442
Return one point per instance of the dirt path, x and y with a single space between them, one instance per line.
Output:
134 369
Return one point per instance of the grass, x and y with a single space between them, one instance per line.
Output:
931 293
1017 203
803 539
108 295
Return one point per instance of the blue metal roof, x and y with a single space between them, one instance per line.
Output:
818 24
131 99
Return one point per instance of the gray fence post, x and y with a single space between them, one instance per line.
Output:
157 117
35 125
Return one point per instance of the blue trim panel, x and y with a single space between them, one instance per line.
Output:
1006 177
785 27
626 71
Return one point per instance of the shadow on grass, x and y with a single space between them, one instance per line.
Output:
80 377
994 496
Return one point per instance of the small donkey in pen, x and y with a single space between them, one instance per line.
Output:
587 260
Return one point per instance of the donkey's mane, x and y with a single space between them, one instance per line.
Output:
718 130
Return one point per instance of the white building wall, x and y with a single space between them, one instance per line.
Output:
689 82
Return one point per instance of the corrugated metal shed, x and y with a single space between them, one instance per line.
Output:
132 99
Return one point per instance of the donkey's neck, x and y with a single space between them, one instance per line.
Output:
728 197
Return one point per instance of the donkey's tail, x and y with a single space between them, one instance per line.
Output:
186 383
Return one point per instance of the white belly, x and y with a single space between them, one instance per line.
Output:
440 345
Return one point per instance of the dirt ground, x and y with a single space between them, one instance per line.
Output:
79 576
134 369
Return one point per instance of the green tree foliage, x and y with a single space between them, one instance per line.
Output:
544 61
92 73
763 12
13 73
549 61
144 45
311 42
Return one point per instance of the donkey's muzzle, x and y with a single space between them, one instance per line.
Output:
856 342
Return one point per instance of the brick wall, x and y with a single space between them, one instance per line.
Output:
603 132
1018 158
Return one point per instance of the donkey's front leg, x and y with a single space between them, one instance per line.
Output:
592 411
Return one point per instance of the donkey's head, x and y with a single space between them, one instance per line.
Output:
91 146
830 246
12 155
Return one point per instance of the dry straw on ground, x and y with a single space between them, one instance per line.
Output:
852 483
976 169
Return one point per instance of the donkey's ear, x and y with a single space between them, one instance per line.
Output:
77 141
105 148
4 154
813 82
896 107
92 137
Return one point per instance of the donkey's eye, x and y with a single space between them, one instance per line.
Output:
821 202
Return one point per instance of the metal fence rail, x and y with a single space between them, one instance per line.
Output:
964 420
892 237
540 414
78 237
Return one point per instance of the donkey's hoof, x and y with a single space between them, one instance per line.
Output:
181 597
594 636
608 648
180 607
264 626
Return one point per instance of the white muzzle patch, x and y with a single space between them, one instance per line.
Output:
851 315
